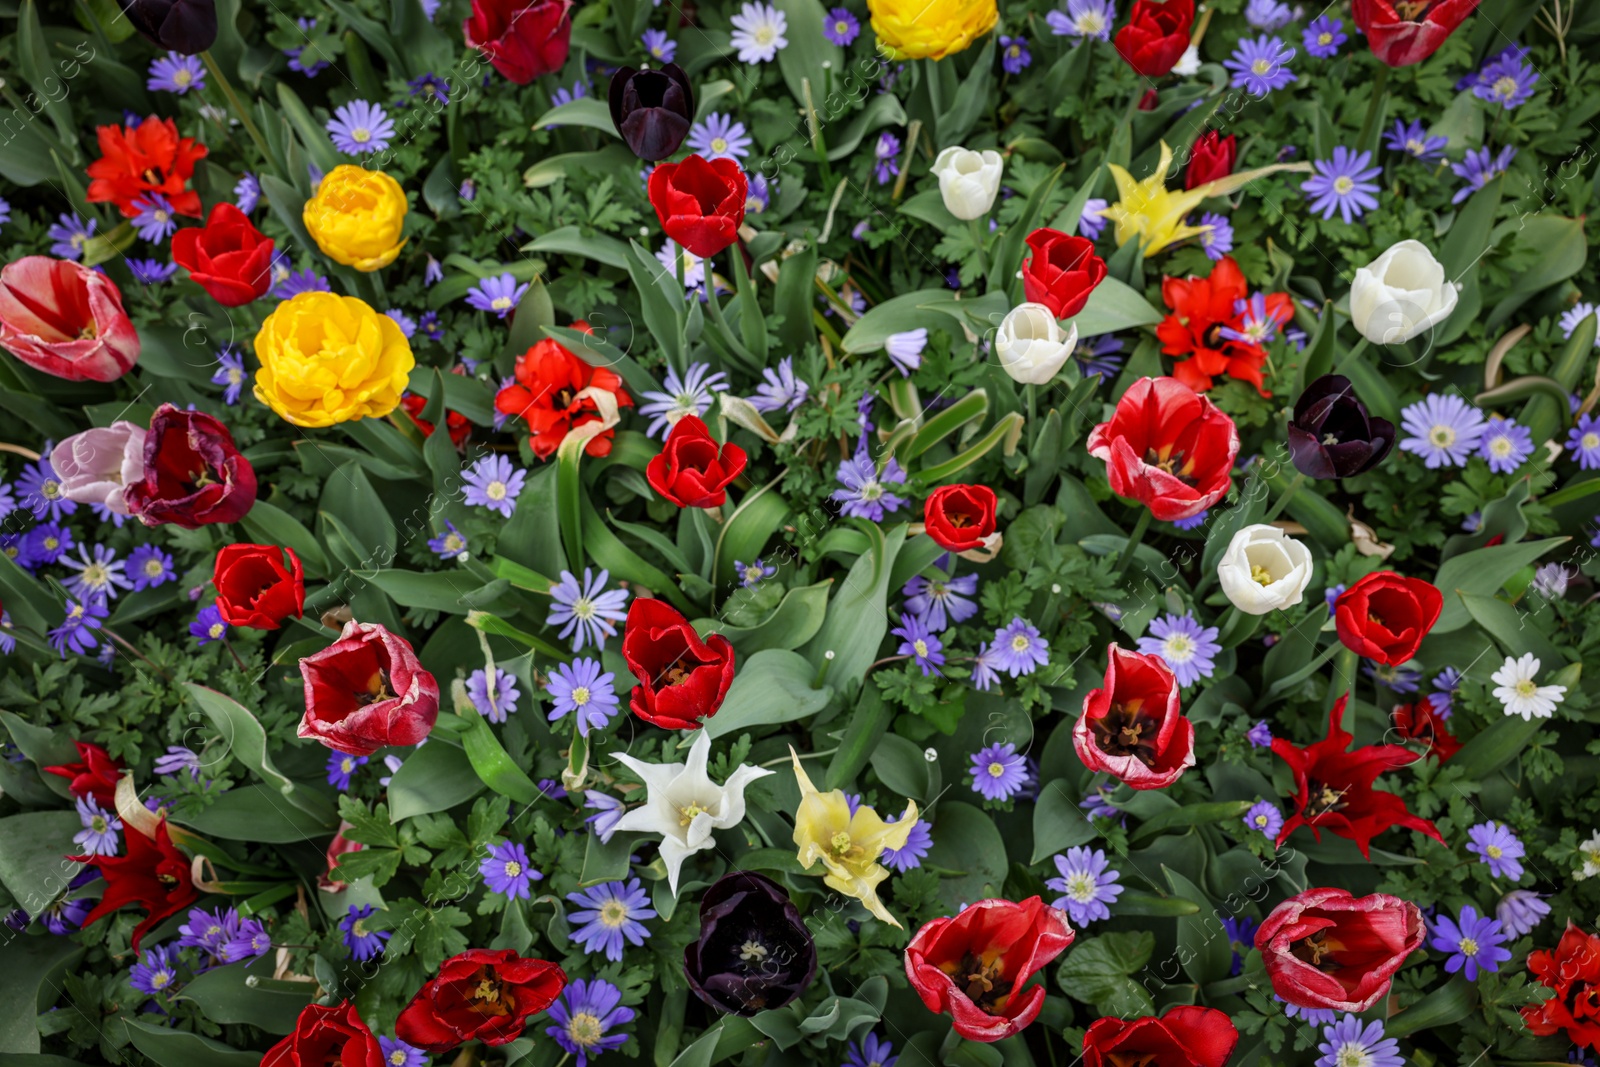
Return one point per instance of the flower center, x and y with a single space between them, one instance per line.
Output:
841 28
871 491
1442 436
50 490
752 951
613 913
96 576
1179 647
98 824
398 1057
488 996
1127 731
584 1029
1495 852
160 979
1324 38
1353 1055
719 144
1260 575
182 77
921 647
1081 887
1469 947
997 770
583 608
1414 146
217 629
1262 820
358 928
1506 87
687 813
1261 66
580 695
1343 184
513 869
1527 688
1591 440
841 842
361 135
765 35
1021 643
1092 22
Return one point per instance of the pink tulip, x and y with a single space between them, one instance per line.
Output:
96 465
65 319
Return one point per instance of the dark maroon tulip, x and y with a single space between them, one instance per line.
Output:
193 473
185 26
652 109
1331 434
754 952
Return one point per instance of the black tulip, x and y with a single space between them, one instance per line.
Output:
1331 434
754 953
188 27
652 109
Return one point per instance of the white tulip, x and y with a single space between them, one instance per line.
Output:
1264 569
684 805
1400 294
1031 344
968 181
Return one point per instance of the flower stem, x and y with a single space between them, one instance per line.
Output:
975 226
1284 497
1134 539
236 105
1374 106
1351 356
1344 676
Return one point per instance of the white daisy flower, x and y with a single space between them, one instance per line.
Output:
1516 688
1590 851
758 32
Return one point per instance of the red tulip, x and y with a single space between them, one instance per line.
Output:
1386 615
152 873
1061 271
1167 447
1156 35
1334 787
327 1035
227 257
692 470
1572 970
960 518
94 775
1214 156
457 425
1202 308
367 691
481 995
549 396
1422 722
1186 1036
193 473
65 319
330 856
142 159
682 679
973 966
700 204
1132 726
521 40
255 589
1400 40
1325 948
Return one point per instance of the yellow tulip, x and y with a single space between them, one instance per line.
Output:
1147 208
356 217
930 29
327 359
848 845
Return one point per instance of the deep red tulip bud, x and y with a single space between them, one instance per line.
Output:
960 518
187 27
700 204
367 691
1061 271
693 471
1156 34
682 679
1326 948
521 40
227 257
1214 156
255 588
1385 616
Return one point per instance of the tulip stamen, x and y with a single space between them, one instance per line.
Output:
985 983
1127 731
1324 798
1317 951
1412 10
489 996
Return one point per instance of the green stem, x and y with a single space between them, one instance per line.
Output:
1351 356
1375 105
1344 676
1134 538
1031 391
1283 498
236 105
976 228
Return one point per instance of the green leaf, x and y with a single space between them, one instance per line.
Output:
350 499
969 409
569 165
531 539
570 241
1114 306
493 765
858 615
746 532
1005 433
33 850
1511 628
1482 573
883 109
1190 815
1138 902
966 839
588 111
182 1048
247 993
1058 822
809 54
1205 956
1450 1003
904 768
29 985
796 619
1096 971
313 137
609 862
1495 746
247 743
433 778
971 99
472 397
908 311
1468 238
455 592
252 813
772 686
866 728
